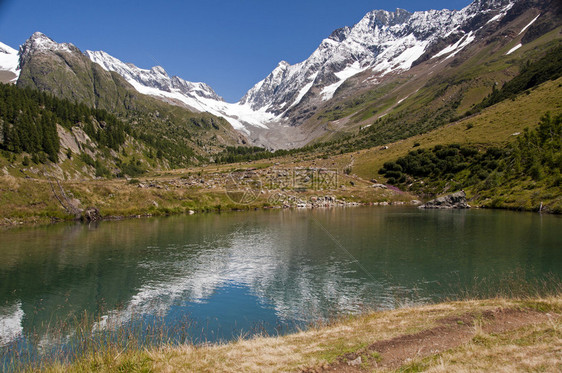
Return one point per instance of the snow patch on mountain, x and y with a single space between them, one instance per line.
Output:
453 49
198 96
240 116
529 25
304 90
514 49
353 69
400 55
9 60
502 13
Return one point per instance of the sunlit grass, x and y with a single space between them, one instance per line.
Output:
495 126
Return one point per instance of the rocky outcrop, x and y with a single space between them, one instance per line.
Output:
91 214
456 200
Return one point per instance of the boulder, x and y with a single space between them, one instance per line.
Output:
378 185
355 362
91 214
456 200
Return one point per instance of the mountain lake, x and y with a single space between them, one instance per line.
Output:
215 277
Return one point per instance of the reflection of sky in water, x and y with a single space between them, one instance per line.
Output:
10 323
234 273
244 278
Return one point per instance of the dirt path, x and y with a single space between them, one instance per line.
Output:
450 333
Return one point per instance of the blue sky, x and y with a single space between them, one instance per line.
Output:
228 44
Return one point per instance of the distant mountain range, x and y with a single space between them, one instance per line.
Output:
387 57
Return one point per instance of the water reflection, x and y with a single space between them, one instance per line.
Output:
232 271
270 261
10 323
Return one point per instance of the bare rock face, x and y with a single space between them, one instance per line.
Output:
456 200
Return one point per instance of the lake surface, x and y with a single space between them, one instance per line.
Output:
214 277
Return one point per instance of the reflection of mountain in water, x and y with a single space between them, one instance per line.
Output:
271 260
283 262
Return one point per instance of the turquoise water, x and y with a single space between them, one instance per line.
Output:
214 277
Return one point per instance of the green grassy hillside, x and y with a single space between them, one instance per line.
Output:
497 175
72 76
500 126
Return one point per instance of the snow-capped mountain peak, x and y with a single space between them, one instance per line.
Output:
159 70
383 18
9 60
198 96
146 80
282 66
384 41
40 43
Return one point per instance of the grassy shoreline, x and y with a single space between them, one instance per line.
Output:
33 201
45 218
470 335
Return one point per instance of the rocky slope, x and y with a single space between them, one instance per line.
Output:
62 70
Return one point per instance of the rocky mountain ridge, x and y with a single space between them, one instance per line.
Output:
156 77
380 46
385 42
175 90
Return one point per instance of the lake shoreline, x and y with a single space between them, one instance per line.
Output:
34 202
38 218
517 333
39 221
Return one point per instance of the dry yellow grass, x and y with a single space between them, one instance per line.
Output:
536 348
31 200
